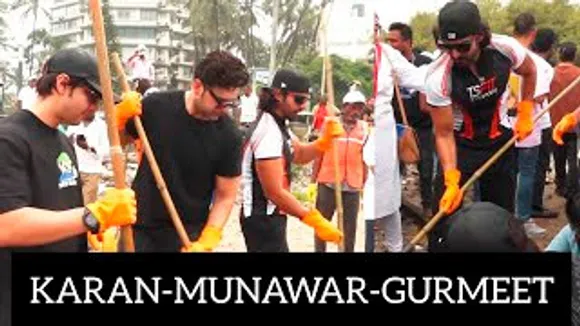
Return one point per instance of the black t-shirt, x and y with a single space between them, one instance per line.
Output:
410 98
190 154
38 168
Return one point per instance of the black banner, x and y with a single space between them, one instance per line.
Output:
435 288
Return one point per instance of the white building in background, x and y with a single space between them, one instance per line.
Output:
350 28
155 24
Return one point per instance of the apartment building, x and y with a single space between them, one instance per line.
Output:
156 24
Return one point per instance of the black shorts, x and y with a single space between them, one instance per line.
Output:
265 233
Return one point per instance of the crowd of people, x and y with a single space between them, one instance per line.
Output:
216 146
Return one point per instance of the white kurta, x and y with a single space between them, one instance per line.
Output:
387 179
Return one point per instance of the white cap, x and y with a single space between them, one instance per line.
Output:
354 97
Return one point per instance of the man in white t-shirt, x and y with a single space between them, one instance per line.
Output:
27 95
91 143
248 106
529 148
466 89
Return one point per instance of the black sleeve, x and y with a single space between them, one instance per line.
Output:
15 189
230 164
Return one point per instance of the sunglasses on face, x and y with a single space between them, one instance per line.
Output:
222 102
300 99
460 47
94 96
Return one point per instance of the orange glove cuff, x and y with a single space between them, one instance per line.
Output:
569 121
332 129
452 177
129 107
210 236
525 108
118 207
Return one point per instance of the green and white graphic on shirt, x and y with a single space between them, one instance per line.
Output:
68 172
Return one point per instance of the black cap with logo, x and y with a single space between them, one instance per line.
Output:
77 63
457 20
291 81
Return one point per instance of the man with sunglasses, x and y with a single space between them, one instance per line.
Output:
41 199
467 88
197 147
268 154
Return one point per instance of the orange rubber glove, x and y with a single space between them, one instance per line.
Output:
128 108
453 195
525 119
332 129
209 239
323 228
117 207
567 123
104 242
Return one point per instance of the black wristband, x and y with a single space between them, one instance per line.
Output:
91 222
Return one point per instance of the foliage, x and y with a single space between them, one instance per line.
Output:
560 15
344 73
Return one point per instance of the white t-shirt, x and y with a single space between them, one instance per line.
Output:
95 133
438 85
266 142
27 96
249 107
544 75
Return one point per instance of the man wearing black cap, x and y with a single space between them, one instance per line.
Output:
466 89
41 202
267 157
198 149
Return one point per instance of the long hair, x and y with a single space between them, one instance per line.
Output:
267 101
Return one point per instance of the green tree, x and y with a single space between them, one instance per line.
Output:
113 45
422 25
344 72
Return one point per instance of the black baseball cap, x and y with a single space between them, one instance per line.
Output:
291 81
483 227
457 20
79 63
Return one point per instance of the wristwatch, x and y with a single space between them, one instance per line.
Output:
91 222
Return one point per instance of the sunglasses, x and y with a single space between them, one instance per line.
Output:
460 47
300 99
222 102
94 96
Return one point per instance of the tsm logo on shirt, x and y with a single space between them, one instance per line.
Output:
485 89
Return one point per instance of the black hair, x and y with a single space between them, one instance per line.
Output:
567 51
222 69
486 32
545 40
404 29
47 82
524 23
573 211
267 101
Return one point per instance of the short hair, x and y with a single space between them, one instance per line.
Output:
545 40
222 69
47 82
524 23
567 51
404 29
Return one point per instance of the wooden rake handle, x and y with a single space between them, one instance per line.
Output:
117 157
429 226
151 158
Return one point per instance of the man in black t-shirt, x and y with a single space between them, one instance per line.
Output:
198 149
400 37
41 202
